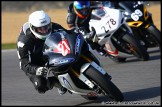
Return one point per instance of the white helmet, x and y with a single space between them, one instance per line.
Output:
40 24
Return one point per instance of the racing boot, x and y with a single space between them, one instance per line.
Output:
51 82
39 82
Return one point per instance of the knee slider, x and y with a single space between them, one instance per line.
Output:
40 83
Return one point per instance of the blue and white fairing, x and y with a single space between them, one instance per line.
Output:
63 48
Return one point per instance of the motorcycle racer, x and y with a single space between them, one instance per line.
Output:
29 49
79 15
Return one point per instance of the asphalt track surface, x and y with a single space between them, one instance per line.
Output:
139 81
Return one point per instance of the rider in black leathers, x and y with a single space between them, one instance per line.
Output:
29 49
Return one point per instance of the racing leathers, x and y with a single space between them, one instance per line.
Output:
29 50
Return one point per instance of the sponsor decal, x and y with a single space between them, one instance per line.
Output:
67 83
63 48
63 61
77 45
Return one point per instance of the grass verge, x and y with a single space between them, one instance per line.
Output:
8 46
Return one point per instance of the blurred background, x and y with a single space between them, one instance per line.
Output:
15 14
21 6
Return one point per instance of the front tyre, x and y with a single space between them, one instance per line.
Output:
136 49
104 83
156 34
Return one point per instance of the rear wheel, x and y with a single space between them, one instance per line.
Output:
107 87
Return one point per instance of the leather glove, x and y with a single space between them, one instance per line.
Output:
82 31
90 35
41 71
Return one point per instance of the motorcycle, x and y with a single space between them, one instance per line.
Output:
141 23
69 58
114 35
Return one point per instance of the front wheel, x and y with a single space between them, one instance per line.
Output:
104 83
134 47
156 34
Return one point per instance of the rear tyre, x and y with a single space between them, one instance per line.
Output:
104 82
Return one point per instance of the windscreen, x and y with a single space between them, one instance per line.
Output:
98 13
57 43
